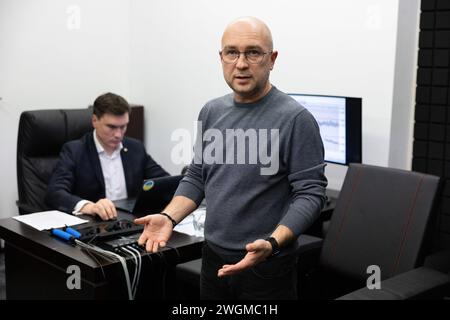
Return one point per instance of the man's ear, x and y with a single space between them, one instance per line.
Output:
94 121
273 57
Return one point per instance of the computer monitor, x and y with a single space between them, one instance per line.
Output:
339 120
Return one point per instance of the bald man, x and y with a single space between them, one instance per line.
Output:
260 165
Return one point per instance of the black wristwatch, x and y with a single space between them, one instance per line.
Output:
275 246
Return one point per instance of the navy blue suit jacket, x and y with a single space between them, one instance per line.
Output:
78 174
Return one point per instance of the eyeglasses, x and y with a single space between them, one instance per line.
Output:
252 56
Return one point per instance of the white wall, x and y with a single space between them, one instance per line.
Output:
45 64
345 47
164 55
400 151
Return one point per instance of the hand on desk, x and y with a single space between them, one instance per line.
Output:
157 231
257 251
104 208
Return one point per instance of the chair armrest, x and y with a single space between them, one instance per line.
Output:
189 272
439 261
308 253
420 283
307 249
26 208
317 228
306 244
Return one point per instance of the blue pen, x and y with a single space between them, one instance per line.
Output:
62 235
73 232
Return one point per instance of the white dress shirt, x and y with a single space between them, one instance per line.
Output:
113 174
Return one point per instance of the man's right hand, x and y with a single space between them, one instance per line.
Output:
157 231
104 208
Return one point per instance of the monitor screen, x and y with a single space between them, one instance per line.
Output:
339 120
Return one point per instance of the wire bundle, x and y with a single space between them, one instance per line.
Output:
111 256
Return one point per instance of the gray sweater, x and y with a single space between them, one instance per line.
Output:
250 183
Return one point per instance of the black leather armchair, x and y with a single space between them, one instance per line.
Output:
40 138
383 217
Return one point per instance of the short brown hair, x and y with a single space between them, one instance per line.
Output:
110 103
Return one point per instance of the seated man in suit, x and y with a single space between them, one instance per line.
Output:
102 166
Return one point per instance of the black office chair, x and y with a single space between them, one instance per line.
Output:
382 218
41 135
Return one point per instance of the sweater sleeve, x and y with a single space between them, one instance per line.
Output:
192 185
304 156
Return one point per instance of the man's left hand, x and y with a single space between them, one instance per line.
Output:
257 251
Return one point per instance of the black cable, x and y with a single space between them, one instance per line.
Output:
127 255
139 258
92 239
112 256
178 254
148 255
97 261
130 257
163 272
162 267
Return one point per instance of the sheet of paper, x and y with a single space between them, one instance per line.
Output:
49 219
189 227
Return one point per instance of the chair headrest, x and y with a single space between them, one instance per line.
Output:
43 132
